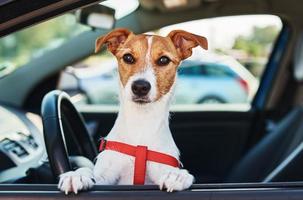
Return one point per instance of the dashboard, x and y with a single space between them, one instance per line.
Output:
21 143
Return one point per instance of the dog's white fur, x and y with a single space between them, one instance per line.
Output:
136 124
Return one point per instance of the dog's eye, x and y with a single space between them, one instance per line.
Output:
163 60
128 58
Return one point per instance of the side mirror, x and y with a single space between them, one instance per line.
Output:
6 68
97 16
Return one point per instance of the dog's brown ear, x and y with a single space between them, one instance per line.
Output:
185 41
113 39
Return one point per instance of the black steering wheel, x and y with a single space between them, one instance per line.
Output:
62 121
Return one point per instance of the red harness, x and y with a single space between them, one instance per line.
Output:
142 155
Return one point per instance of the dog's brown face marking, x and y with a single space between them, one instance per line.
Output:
165 74
136 46
160 56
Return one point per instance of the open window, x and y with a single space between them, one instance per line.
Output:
228 73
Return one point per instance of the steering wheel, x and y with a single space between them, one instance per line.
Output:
61 120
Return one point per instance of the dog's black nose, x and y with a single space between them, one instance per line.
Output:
141 87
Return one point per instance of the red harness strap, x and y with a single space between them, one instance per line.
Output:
142 155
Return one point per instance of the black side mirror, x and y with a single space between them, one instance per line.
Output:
97 16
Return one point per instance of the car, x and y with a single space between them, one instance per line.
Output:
202 76
251 150
200 81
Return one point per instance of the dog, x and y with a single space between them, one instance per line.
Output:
147 66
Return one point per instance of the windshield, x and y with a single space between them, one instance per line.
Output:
19 48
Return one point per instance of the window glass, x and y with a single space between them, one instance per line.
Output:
228 73
19 48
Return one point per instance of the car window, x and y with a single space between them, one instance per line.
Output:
19 48
191 70
228 73
219 71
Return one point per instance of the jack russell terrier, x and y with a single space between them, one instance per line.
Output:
140 148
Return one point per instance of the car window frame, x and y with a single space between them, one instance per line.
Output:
34 12
268 191
272 66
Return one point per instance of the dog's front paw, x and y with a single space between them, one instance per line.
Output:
75 181
176 180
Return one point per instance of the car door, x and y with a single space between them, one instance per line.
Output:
217 137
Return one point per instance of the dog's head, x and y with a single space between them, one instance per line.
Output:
148 63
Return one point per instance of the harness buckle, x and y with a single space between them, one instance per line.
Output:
102 144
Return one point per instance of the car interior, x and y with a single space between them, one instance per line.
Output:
44 133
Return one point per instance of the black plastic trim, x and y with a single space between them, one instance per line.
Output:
272 67
195 187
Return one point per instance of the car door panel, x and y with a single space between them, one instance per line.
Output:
211 142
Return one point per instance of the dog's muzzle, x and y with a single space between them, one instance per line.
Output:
140 89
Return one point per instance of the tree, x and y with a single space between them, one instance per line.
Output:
19 47
258 42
